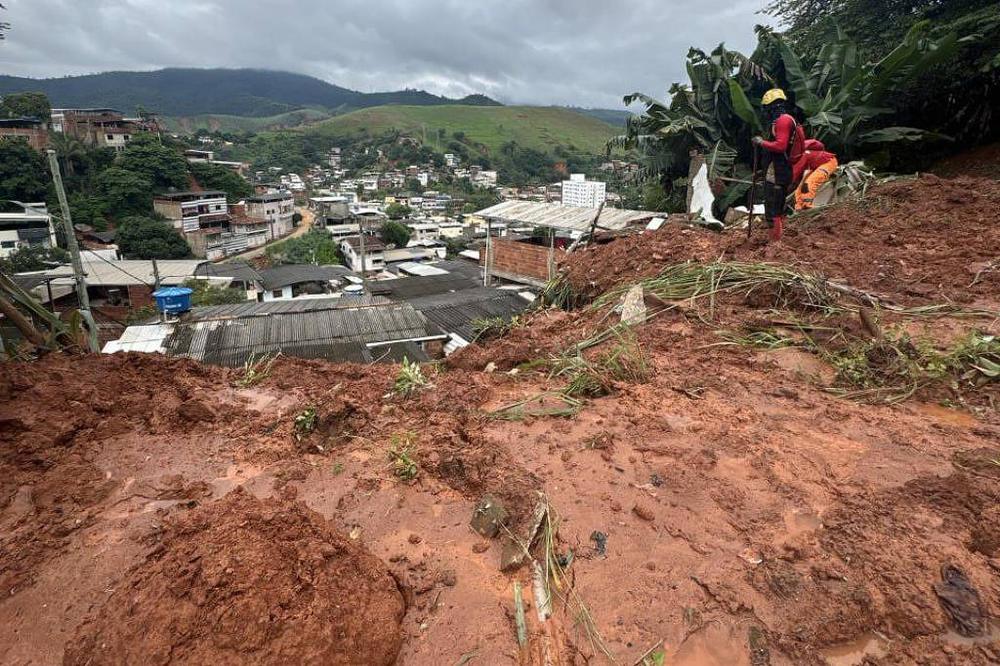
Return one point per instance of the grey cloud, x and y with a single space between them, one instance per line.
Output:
586 52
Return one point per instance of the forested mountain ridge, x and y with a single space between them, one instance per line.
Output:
238 92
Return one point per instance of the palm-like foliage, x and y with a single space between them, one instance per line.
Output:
845 102
68 148
713 116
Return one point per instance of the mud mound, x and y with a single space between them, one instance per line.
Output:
245 581
916 241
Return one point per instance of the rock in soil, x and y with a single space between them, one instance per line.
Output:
248 581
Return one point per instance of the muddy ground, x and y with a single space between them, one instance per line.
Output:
724 511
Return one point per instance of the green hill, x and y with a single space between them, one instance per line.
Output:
228 123
540 128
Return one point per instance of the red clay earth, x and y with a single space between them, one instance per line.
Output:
920 241
248 581
750 518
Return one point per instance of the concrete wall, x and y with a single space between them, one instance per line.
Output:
519 258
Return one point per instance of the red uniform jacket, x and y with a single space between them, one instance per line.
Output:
816 155
789 140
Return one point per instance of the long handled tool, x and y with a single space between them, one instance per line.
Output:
753 191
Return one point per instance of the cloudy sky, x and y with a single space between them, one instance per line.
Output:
581 52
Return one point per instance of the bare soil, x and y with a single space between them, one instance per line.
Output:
150 512
919 241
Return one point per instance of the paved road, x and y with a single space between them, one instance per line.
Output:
304 226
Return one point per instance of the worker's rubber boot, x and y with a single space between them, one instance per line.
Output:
775 231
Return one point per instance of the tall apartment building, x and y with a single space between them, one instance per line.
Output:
578 191
278 208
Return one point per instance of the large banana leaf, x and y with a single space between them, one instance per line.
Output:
894 134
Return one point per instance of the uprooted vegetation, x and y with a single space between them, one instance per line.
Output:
781 462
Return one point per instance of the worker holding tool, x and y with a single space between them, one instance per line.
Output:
818 165
782 157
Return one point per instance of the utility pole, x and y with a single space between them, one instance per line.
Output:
361 245
83 301
156 276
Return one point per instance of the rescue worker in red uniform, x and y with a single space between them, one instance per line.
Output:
782 158
818 165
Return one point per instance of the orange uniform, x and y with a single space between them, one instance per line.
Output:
818 166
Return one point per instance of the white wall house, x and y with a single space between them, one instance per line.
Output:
578 191
29 227
278 208
374 254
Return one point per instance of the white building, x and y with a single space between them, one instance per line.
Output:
374 254
278 208
29 227
578 191
451 160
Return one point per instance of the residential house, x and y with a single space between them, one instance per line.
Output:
278 208
374 250
203 219
302 281
116 288
256 229
451 160
29 226
32 130
104 128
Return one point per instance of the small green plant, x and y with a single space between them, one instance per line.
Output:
487 328
305 422
337 469
256 370
402 456
410 379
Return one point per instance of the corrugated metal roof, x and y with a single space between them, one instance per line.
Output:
107 273
395 353
405 288
283 276
455 316
253 308
567 218
320 333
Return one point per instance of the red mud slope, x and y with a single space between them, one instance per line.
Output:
920 241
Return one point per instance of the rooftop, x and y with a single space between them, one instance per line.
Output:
270 196
190 194
566 218
283 276
102 272
371 243
336 332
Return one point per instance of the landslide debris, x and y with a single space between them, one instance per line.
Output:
248 581
917 240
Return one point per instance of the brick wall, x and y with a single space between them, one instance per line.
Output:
520 258
139 295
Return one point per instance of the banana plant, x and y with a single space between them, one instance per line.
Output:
845 101
844 98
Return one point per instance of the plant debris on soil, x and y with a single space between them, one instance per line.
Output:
700 489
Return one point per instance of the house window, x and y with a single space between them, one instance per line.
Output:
111 137
7 245
276 293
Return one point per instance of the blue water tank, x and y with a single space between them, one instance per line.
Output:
173 299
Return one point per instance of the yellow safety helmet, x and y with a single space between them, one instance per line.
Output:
773 95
